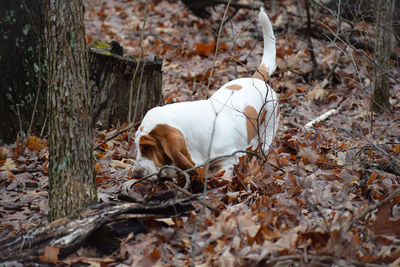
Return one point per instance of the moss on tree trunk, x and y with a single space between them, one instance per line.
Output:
123 88
71 163
22 68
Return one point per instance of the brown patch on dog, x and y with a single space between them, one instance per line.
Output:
234 87
166 145
262 116
151 149
141 128
251 122
261 73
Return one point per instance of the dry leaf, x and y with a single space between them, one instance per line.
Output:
203 49
227 259
50 254
298 63
318 92
8 165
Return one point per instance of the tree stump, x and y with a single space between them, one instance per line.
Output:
123 88
112 76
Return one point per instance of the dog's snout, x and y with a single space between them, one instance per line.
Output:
137 173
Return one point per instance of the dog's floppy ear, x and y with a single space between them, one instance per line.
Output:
174 145
151 149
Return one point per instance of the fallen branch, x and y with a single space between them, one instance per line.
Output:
284 260
117 133
395 162
94 221
355 45
128 186
191 196
320 118
372 208
30 170
321 86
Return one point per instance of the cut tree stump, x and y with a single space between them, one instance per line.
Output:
119 82
23 84
98 225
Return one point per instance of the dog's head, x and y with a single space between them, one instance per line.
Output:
163 145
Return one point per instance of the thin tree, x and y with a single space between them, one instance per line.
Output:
71 164
383 41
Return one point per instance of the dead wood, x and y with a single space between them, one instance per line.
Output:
372 208
113 76
199 8
309 42
100 225
317 260
117 133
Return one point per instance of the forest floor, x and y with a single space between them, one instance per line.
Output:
327 194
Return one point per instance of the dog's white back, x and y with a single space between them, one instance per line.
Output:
243 113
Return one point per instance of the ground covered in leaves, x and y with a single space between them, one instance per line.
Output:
311 203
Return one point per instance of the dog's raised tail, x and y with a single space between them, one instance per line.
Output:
269 56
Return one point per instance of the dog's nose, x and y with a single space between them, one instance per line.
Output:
137 173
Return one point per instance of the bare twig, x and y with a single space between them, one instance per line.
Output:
191 196
136 70
328 77
315 258
373 207
121 131
200 216
185 173
38 88
348 43
394 162
30 170
234 48
216 49
309 41
230 17
138 91
158 36
157 174
44 125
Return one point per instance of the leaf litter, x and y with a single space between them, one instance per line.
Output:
295 209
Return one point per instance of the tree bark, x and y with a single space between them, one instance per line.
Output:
101 226
71 163
384 17
114 77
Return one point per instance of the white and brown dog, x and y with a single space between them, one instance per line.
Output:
242 114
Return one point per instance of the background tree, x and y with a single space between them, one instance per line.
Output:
22 72
71 166
383 43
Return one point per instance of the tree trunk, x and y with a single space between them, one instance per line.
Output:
71 164
384 17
